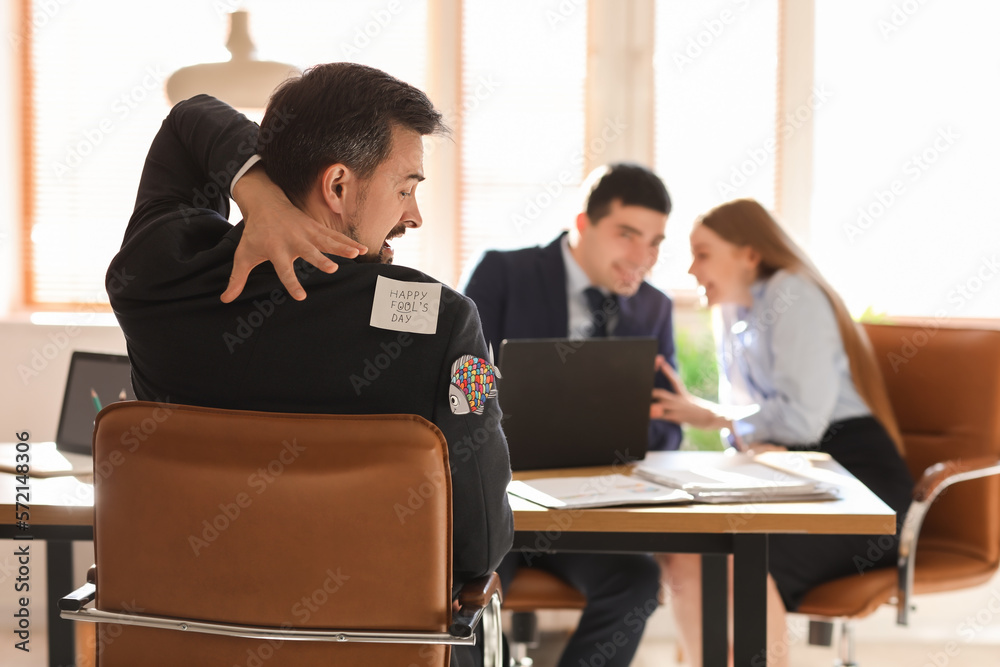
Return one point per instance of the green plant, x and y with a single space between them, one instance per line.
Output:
699 371
870 316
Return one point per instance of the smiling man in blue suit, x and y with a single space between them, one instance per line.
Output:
589 282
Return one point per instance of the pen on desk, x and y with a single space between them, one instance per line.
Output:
95 399
122 395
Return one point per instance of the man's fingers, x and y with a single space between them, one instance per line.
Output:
237 280
336 243
334 247
319 260
310 245
287 276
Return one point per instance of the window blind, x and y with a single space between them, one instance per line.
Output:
523 74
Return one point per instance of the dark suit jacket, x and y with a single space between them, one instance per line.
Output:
266 351
522 294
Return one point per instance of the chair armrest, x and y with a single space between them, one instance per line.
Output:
82 596
473 599
949 472
477 593
934 481
78 599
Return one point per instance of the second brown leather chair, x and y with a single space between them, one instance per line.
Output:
945 390
530 591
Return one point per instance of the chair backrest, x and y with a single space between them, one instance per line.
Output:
944 385
304 521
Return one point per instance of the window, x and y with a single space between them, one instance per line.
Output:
905 156
716 89
901 136
98 71
522 138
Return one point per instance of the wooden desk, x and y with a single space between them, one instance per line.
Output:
62 510
712 530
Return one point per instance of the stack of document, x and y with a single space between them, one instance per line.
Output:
601 491
689 477
740 480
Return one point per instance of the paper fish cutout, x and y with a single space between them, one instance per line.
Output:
473 380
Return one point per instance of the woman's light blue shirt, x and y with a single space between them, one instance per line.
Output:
785 355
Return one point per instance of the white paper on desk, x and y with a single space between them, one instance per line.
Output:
47 461
601 491
764 496
740 479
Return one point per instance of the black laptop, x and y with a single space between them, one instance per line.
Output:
95 380
571 403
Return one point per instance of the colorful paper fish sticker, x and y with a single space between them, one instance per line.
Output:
473 380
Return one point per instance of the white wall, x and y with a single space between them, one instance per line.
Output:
34 360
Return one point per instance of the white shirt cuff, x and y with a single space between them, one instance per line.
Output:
254 159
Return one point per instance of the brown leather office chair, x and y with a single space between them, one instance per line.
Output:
227 537
532 590
945 390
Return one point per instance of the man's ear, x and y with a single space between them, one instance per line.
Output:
582 222
335 183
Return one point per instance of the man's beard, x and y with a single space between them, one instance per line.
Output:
380 257
352 223
352 227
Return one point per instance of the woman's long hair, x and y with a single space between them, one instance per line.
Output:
744 222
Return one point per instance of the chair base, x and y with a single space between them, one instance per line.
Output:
519 657
821 634
523 635
845 645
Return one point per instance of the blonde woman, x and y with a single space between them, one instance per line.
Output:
788 345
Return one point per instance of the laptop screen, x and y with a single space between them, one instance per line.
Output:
95 380
571 403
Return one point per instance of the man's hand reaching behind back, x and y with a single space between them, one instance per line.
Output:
277 231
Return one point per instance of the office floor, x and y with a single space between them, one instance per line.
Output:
657 652
663 653
968 622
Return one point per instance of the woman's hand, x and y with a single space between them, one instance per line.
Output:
755 448
681 407
278 232
661 366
